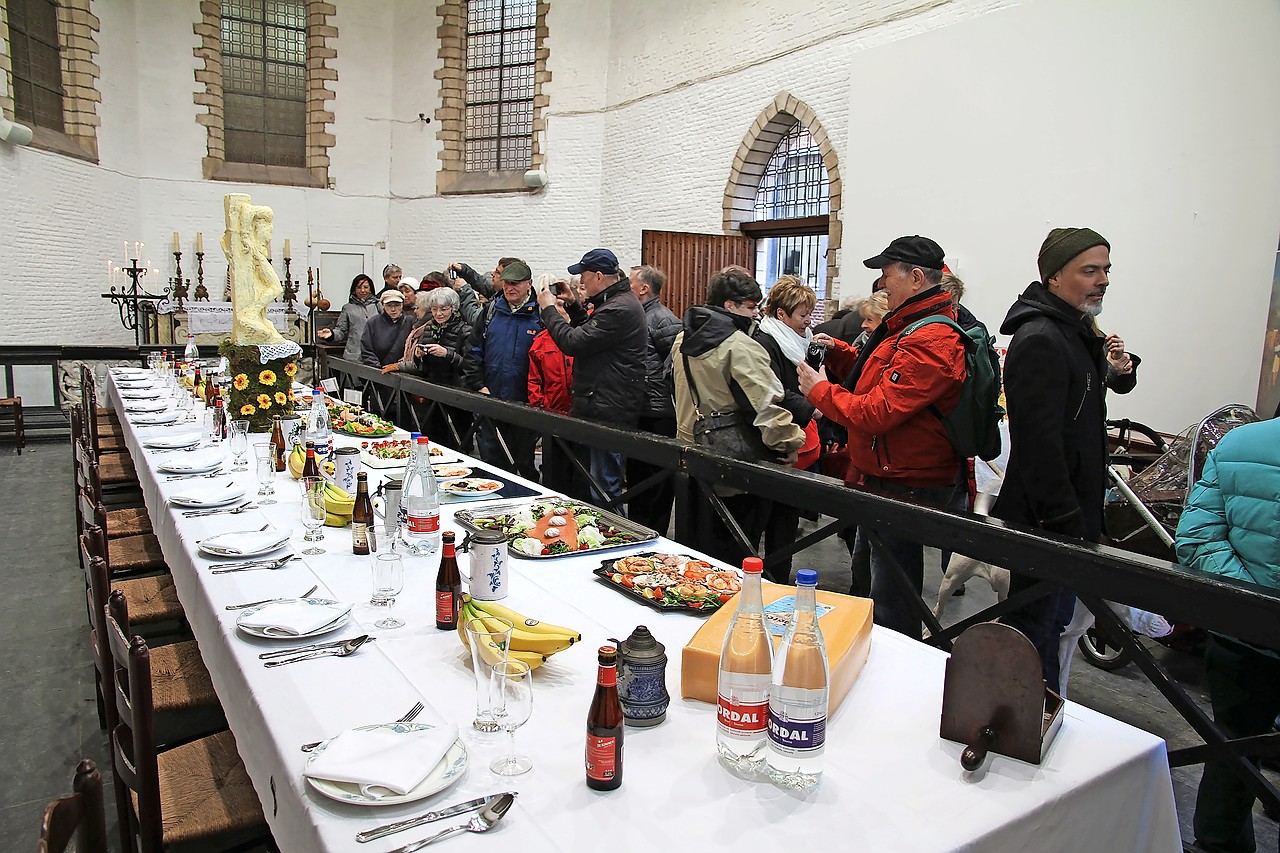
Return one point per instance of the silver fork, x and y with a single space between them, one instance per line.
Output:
306 594
407 718
201 513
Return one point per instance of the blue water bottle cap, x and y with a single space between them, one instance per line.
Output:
413 437
806 577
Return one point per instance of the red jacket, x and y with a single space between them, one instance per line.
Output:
892 433
550 375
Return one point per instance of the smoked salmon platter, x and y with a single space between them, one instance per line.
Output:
556 527
672 581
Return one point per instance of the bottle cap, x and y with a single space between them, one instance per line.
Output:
753 565
806 577
422 439
414 436
449 536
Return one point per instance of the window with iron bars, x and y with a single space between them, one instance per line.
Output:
501 64
264 79
795 184
36 57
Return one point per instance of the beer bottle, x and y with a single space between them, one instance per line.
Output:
362 521
310 468
448 587
604 726
277 442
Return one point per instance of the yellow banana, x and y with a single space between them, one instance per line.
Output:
534 659
525 624
331 520
337 493
546 645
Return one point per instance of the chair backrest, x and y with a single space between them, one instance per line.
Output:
133 745
79 814
99 588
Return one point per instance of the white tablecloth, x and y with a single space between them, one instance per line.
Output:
891 784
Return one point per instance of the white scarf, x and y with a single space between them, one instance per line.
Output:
793 346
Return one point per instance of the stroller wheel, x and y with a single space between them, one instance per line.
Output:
1102 654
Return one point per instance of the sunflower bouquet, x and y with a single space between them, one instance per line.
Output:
259 391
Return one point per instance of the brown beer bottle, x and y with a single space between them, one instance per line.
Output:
448 586
362 521
310 468
604 726
277 442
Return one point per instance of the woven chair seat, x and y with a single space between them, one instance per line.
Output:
127 522
111 444
151 600
205 791
179 679
106 412
116 469
134 553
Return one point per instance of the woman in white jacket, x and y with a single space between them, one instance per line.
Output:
350 326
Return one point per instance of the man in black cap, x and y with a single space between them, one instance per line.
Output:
608 347
897 389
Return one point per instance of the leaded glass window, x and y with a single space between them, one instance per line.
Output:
264 81
37 63
501 59
795 185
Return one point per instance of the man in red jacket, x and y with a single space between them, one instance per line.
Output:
896 391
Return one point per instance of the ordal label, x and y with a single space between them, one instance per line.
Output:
424 523
797 734
742 716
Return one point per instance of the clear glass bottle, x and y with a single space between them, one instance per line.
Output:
798 695
319 428
192 353
746 665
420 505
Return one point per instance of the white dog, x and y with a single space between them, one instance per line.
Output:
962 568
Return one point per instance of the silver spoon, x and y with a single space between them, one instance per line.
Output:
306 594
349 647
482 822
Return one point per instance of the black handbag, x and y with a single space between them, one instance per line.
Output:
730 434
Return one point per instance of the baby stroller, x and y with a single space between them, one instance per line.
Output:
1142 512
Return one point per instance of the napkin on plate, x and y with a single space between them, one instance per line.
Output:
292 618
135 406
138 394
167 442
383 762
246 541
156 418
202 494
197 460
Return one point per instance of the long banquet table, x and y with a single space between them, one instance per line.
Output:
890 783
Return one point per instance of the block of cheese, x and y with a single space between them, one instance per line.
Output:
846 630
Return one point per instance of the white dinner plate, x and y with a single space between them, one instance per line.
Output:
138 384
269 634
471 488
132 371
447 471
139 394
212 548
221 497
173 442
448 771
156 418
197 462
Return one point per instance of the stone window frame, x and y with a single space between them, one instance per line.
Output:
209 94
753 156
450 115
78 28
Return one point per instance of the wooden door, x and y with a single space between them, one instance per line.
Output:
689 260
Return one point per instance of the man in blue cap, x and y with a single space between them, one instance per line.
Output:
608 346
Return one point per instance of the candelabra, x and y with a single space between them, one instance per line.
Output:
202 292
290 286
178 286
131 298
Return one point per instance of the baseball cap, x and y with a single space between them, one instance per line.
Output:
516 271
915 250
597 260
391 295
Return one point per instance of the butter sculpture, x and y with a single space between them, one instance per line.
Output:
254 284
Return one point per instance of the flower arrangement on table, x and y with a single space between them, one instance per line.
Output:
260 390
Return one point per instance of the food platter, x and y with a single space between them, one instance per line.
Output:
557 527
397 453
667 581
353 420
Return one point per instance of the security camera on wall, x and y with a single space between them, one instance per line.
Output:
14 133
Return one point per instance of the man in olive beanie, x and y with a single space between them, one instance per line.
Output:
1062 245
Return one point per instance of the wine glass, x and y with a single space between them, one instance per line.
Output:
313 512
265 466
388 581
185 403
511 689
238 439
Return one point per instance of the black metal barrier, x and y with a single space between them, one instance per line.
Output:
1097 573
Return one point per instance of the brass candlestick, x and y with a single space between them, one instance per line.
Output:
178 287
202 292
290 286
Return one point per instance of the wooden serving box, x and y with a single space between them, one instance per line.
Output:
846 630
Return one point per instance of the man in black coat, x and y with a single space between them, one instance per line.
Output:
1055 384
608 347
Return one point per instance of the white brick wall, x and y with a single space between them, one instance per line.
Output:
980 122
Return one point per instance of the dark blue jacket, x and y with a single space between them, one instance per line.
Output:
499 358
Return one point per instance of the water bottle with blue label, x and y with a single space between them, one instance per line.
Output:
798 694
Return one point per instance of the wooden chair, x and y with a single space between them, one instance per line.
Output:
196 792
106 419
116 470
11 408
152 599
126 521
79 815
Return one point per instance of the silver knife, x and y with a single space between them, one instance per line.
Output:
460 808
282 653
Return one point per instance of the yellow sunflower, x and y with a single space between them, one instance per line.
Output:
290 369
281 399
241 382
266 377
264 401
247 409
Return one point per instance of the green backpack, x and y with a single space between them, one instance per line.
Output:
973 427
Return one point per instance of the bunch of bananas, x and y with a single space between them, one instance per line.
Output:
531 641
338 505
297 460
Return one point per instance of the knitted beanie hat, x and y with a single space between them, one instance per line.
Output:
1062 245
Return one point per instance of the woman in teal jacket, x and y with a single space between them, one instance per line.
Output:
1231 527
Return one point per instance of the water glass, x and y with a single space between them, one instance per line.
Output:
489 639
265 466
388 581
512 690
313 512
238 439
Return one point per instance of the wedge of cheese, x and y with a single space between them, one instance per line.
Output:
846 630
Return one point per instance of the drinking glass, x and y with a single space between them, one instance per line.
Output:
265 466
388 581
313 512
493 634
512 690
238 439
185 403
211 434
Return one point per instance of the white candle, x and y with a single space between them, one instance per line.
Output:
177 244
200 242
287 255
